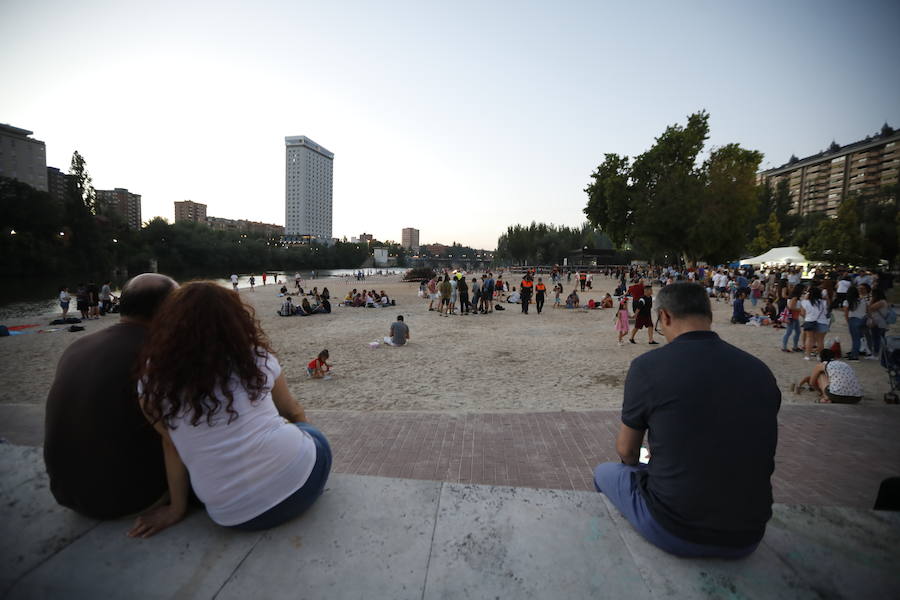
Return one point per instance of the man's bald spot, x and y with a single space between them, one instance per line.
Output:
138 283
142 295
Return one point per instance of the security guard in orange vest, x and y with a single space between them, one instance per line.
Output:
526 289
540 291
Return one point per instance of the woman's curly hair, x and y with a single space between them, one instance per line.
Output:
202 336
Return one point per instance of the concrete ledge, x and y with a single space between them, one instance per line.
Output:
373 537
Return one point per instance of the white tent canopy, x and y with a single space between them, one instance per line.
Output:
788 255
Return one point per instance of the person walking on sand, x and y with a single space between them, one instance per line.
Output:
234 281
432 293
557 292
264 278
622 319
540 291
252 283
643 317
445 289
527 285
64 300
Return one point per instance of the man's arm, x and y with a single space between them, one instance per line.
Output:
628 444
159 518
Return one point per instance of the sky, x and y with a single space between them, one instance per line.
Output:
458 119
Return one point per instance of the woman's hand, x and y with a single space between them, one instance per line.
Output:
155 520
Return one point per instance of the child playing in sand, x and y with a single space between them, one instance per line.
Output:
622 319
318 367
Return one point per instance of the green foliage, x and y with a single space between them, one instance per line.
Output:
866 230
667 206
419 274
544 244
768 236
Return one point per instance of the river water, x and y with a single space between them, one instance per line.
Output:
38 296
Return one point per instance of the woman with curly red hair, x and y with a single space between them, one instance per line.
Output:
213 389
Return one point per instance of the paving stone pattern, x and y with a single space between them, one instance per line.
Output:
827 455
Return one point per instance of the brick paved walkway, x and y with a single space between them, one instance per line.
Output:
827 455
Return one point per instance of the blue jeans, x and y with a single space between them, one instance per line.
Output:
873 337
792 326
615 481
856 325
297 503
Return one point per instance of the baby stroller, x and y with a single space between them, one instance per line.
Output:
890 360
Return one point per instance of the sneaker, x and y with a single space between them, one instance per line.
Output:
653 343
806 358
632 341
870 357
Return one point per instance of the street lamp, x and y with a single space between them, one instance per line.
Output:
12 232
115 241
62 233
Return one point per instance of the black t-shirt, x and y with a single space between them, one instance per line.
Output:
643 305
103 458
711 410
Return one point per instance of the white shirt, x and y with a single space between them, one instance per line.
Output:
815 312
241 469
234 279
842 380
860 312
843 285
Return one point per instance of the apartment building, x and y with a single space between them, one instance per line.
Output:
186 210
818 183
123 203
22 157
308 191
410 238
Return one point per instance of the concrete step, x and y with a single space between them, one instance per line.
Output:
375 537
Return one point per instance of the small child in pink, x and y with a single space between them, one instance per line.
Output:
622 319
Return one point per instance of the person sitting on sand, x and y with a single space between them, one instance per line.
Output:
398 334
371 302
834 380
738 314
287 307
706 491
607 301
318 367
305 308
514 296
103 459
572 301
348 299
385 301
230 428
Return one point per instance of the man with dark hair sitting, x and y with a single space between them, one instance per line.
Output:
103 457
706 490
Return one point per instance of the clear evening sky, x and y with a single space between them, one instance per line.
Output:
458 118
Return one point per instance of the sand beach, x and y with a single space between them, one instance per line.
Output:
506 361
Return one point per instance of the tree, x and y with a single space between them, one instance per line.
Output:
607 206
768 235
668 206
728 204
838 241
84 188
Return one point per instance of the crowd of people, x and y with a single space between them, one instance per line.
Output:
177 424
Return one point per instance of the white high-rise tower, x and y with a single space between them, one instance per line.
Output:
307 202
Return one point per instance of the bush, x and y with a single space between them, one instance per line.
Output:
419 274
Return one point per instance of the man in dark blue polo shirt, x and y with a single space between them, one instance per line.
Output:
706 490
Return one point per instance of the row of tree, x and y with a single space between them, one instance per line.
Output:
75 234
667 205
542 244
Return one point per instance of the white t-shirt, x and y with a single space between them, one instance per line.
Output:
842 380
815 312
843 285
234 279
241 469
860 312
